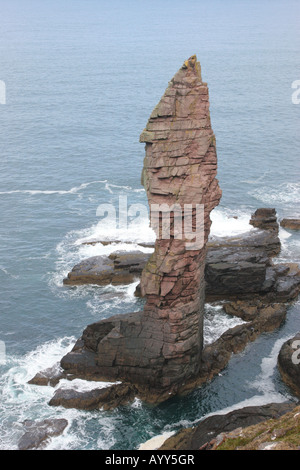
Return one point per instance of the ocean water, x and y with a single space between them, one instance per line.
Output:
81 79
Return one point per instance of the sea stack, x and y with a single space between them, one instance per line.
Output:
179 171
159 348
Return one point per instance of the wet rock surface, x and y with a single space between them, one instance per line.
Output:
50 376
260 297
116 269
105 398
82 362
38 433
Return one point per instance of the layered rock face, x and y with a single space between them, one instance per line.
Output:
179 173
161 346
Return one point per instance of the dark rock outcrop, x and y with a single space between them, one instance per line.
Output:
292 224
107 398
118 242
161 346
286 287
39 433
241 266
265 218
289 363
200 436
247 280
118 268
50 376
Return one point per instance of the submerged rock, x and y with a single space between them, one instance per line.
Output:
38 433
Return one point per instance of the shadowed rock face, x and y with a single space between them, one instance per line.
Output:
161 346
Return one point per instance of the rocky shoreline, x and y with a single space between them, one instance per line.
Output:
241 276
214 430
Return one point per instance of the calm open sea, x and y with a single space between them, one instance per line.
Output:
81 79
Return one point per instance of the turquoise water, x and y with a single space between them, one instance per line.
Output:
82 78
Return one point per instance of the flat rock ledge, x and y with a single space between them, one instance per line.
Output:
291 224
218 429
105 398
118 268
38 433
289 363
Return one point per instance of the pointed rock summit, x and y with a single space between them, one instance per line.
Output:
159 348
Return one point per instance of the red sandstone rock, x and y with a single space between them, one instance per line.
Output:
179 169
161 347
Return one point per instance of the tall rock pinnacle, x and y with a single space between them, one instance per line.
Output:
160 347
179 172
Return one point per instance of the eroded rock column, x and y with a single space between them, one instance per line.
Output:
160 347
180 172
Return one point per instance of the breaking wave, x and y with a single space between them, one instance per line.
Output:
285 193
